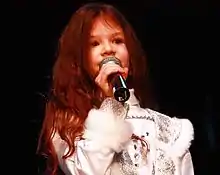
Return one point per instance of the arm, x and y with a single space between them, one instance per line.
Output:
187 165
104 135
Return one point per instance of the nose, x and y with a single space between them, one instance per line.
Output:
108 49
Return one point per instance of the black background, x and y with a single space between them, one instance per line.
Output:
181 40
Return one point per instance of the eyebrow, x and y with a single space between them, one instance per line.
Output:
112 35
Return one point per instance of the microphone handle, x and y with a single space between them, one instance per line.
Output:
120 90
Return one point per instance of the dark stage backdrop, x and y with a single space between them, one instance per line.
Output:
181 41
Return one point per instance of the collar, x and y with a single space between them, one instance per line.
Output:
132 101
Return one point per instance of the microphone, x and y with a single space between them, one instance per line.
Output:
120 90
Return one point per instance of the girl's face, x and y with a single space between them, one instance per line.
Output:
106 39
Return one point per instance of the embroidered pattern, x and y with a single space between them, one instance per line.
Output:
129 165
164 127
126 164
153 170
168 130
141 117
112 106
165 165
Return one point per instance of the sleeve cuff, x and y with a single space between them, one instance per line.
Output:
108 130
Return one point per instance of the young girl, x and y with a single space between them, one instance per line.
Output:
85 130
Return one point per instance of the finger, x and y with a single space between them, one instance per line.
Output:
109 71
125 73
103 77
97 79
111 68
104 85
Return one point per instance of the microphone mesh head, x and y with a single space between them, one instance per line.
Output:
110 60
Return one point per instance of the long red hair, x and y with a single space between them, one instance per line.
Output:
73 92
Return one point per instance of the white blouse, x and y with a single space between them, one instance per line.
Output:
109 149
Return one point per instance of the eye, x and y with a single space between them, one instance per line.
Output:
94 43
118 40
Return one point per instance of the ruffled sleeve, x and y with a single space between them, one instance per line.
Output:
106 132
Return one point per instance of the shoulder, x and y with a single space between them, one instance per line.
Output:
173 135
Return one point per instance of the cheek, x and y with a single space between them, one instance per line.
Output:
95 51
125 58
92 67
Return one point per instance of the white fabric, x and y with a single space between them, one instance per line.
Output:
108 133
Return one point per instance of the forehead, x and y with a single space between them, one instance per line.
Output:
104 25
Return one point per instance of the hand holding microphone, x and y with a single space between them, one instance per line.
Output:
111 80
